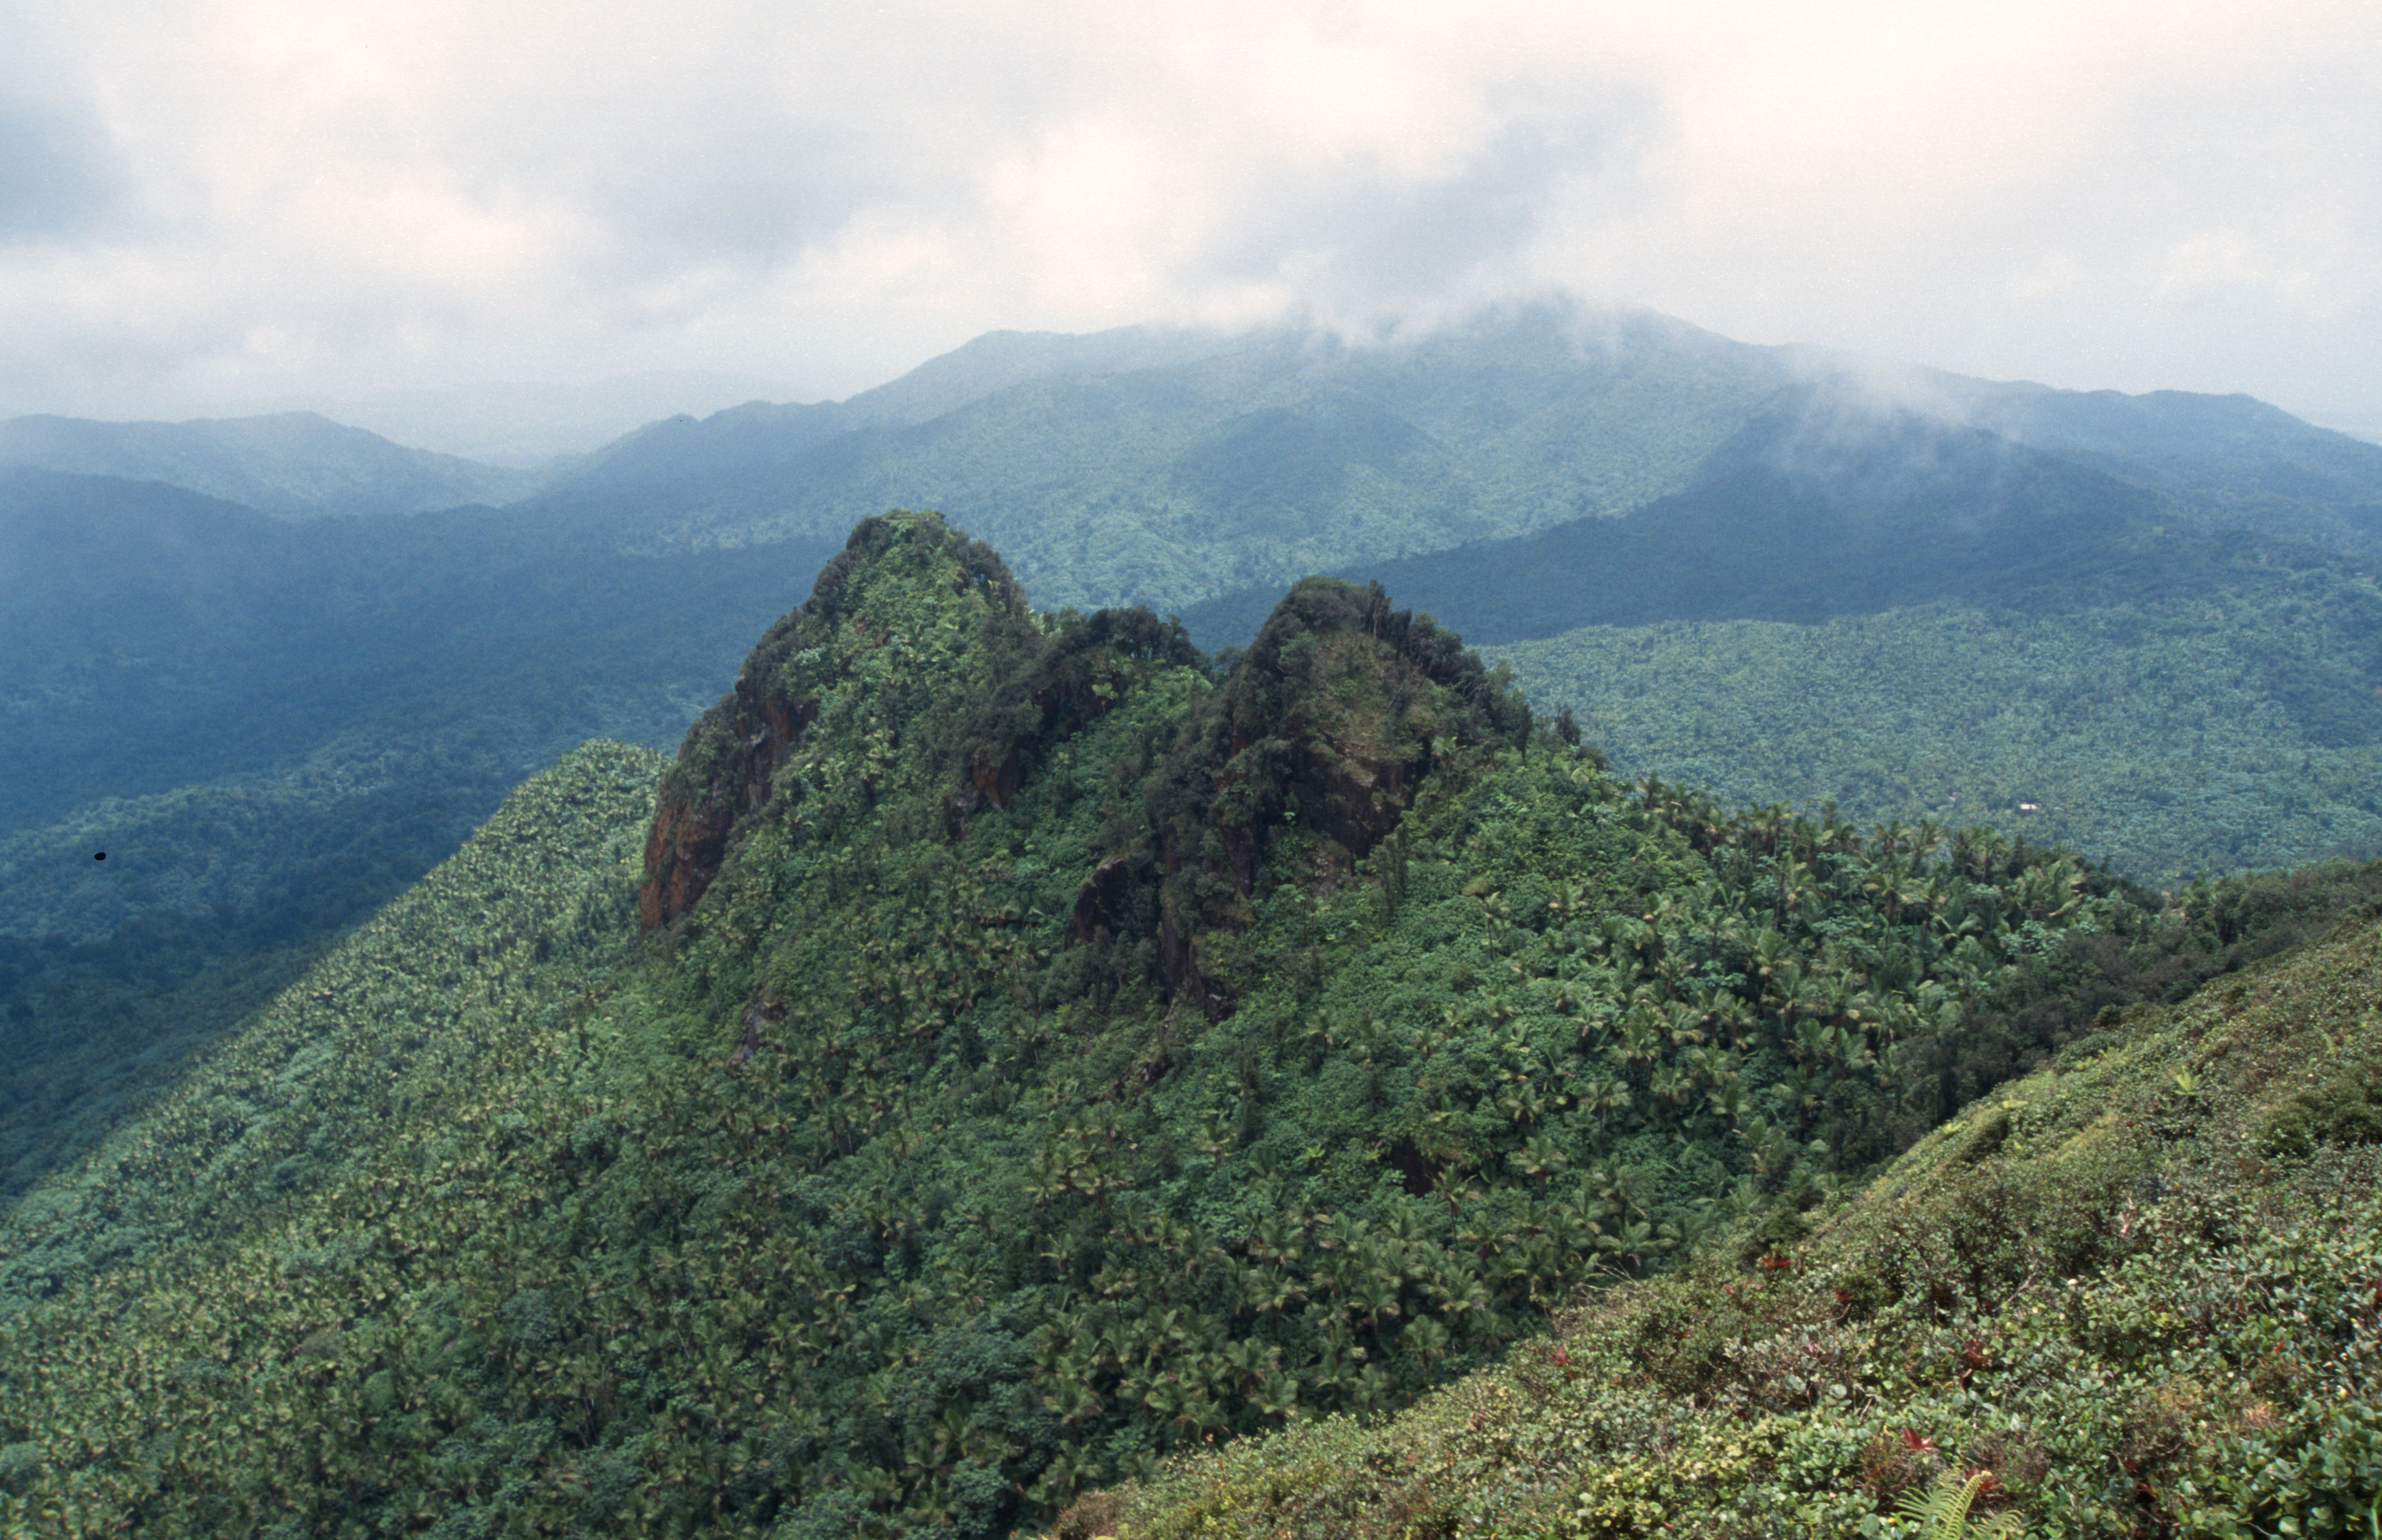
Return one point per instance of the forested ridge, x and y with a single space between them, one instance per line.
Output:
1783 575
2225 732
1008 1050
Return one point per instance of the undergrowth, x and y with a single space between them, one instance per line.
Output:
2137 1290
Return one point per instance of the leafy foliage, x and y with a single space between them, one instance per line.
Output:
2223 734
1941 1512
2085 1307
1064 1056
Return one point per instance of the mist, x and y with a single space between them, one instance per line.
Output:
257 206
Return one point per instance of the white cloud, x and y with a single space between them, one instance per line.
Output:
248 200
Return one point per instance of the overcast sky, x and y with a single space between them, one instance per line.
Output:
215 206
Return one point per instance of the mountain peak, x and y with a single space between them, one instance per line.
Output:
903 628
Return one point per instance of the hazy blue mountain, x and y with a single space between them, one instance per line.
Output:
1167 468
293 464
158 639
1913 619
760 436
1809 510
271 729
1249 459
544 426
2221 461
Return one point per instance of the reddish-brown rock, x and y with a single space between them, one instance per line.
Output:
693 822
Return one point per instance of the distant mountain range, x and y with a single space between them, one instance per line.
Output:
1827 503
296 465
1166 467
1171 467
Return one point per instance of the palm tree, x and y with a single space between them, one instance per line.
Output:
1070 1471
1602 1097
1426 1339
1540 1156
1277 1397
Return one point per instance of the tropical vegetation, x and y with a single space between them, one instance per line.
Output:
2132 1293
1009 1051
272 728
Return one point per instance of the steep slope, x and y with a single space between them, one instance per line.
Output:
2138 1288
297 465
1045 1055
339 1067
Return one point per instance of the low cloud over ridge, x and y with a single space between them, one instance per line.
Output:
249 204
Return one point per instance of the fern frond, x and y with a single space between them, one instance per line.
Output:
1942 1512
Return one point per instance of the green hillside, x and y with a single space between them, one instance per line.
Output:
1047 1054
1169 468
2137 1288
1913 622
270 730
2220 733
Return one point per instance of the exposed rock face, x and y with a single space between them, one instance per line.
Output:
935 685
1328 725
1073 680
907 635
691 823
1111 899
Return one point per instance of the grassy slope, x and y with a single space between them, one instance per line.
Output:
2140 1285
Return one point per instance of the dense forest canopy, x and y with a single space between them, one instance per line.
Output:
275 727
1914 621
1839 727
1006 1049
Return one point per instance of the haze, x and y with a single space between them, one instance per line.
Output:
209 209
